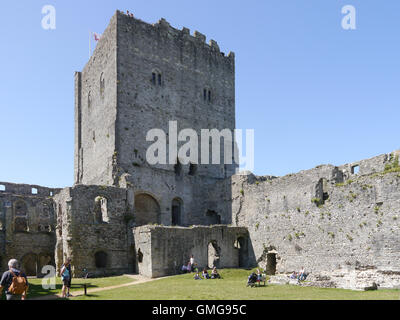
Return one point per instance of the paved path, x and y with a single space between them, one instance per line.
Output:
137 280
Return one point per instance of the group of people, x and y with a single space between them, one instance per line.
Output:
300 276
206 275
254 278
15 283
191 266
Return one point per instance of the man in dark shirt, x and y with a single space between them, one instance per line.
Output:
6 280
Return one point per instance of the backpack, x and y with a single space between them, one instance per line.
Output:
65 275
18 285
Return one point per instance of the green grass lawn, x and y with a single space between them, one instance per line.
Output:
36 290
231 287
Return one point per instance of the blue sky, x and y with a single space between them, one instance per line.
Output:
313 92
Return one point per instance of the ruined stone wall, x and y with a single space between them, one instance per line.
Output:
89 225
27 226
166 249
326 218
95 113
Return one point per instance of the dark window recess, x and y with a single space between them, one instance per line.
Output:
209 96
192 169
140 256
176 212
159 79
355 169
205 94
178 168
153 79
100 259
213 217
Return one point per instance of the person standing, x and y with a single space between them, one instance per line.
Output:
14 281
192 263
66 275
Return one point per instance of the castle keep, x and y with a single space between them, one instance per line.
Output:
124 215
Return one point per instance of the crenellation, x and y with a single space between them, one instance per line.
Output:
124 215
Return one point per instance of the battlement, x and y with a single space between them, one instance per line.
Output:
27 189
198 39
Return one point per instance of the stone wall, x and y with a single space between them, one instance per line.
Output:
166 249
110 131
27 226
324 219
95 113
93 226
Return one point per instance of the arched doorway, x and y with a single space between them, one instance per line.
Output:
147 210
176 212
241 245
44 259
213 254
29 264
271 263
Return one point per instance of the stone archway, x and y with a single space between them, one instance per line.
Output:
241 244
214 253
44 259
147 210
29 264
271 263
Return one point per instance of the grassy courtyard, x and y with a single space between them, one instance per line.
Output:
36 290
231 287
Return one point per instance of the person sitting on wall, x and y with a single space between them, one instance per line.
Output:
215 274
302 275
205 274
293 275
197 277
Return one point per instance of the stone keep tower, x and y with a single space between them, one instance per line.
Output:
140 77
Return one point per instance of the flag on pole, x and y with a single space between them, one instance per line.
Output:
96 36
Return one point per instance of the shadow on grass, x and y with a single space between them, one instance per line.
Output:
37 290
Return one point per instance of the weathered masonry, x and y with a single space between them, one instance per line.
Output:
124 215
342 225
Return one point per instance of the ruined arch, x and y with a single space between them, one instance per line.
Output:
29 264
44 259
101 209
214 253
241 244
147 209
176 211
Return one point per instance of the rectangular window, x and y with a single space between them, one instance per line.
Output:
34 191
2 187
355 169
159 79
153 79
